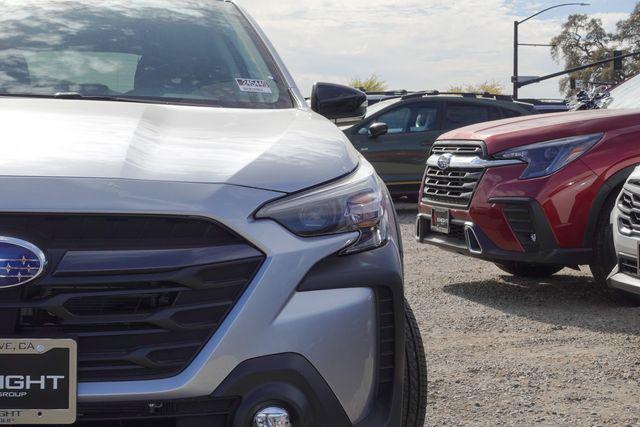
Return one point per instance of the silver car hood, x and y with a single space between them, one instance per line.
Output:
278 150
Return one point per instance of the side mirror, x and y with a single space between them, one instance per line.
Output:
378 129
342 104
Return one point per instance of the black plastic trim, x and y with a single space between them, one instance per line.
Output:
548 253
288 380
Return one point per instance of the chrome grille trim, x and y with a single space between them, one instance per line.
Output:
629 208
452 187
475 162
455 184
457 148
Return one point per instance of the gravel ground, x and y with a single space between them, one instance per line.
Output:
507 351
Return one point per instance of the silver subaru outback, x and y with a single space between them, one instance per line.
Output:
183 242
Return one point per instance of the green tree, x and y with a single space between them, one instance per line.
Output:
373 83
628 35
492 87
584 40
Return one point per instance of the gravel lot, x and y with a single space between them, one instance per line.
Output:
506 351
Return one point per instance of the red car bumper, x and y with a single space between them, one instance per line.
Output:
537 221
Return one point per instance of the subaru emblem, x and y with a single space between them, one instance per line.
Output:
444 161
20 262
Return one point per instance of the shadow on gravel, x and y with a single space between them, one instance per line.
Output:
561 301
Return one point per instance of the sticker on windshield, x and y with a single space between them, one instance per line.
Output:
253 86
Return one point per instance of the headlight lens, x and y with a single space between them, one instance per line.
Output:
545 158
357 203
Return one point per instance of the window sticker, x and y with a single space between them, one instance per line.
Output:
253 86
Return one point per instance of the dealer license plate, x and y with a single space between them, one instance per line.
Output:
440 221
38 381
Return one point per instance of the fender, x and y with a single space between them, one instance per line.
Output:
616 181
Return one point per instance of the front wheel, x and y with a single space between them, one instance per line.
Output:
524 269
415 382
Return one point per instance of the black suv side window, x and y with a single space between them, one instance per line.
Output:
397 119
413 118
460 115
424 118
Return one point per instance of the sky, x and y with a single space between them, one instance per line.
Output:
419 44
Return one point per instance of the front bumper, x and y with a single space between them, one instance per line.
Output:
467 238
303 311
624 281
534 221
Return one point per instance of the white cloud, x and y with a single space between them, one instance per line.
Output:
412 44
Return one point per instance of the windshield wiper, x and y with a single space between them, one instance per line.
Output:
115 98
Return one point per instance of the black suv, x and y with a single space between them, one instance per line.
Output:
397 133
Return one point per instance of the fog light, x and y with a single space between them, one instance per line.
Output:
272 416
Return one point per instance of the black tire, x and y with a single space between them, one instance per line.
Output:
605 258
415 382
523 269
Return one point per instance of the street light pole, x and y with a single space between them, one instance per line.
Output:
516 43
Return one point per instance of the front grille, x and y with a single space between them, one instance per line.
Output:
452 186
628 265
629 207
140 302
520 219
460 148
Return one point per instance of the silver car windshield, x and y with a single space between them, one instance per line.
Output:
170 51
627 95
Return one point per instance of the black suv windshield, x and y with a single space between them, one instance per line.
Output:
627 95
174 51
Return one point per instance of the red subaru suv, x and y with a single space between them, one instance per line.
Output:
534 194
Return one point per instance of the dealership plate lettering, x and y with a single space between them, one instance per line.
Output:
38 381
253 86
440 221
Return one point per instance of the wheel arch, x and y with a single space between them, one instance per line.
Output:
611 186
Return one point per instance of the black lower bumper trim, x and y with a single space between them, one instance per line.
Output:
546 252
287 380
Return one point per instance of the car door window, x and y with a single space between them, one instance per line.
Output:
397 119
460 115
424 119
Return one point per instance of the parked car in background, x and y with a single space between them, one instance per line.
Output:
183 241
534 194
397 134
546 106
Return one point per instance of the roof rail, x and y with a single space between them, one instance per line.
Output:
387 92
485 95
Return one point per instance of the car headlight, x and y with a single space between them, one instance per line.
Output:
358 203
545 158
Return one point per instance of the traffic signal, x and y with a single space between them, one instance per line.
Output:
617 62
